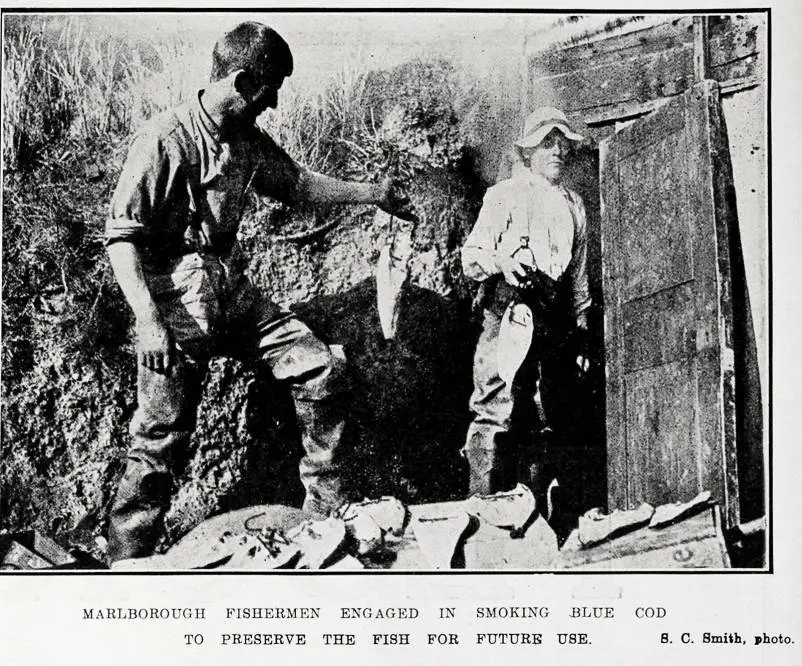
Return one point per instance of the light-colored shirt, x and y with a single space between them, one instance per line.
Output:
552 219
181 173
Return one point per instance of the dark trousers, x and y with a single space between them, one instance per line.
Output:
491 454
211 309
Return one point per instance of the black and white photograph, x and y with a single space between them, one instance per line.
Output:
386 291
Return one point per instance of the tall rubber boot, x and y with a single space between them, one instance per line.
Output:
481 453
322 426
135 521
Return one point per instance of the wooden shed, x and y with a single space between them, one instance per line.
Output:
676 186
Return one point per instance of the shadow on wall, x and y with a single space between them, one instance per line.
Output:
409 405
407 413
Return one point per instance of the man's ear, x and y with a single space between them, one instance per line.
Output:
240 81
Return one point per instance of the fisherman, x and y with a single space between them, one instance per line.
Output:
171 239
529 251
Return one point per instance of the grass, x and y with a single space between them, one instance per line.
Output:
77 85
19 66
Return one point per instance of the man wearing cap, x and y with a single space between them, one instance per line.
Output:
529 247
171 238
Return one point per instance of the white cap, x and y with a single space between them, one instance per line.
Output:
540 122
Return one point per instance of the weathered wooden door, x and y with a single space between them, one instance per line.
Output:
668 310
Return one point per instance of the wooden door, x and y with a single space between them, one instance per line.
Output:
668 310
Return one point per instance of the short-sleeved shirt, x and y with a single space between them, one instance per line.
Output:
184 181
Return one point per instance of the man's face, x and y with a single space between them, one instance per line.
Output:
548 158
261 92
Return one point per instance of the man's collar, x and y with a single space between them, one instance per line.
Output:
211 128
538 180
215 152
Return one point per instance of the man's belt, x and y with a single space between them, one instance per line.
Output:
539 291
193 241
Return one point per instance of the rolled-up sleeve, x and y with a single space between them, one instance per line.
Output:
578 267
277 175
479 254
141 191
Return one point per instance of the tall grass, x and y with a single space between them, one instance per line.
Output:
19 69
80 86
91 89
83 87
161 75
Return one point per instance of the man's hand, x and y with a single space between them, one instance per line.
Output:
393 199
514 270
154 346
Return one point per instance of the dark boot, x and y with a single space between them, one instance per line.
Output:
135 520
322 426
161 428
481 470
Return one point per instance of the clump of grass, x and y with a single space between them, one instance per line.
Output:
319 122
76 85
91 76
19 84
162 75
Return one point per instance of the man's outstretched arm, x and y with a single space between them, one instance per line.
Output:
280 177
388 194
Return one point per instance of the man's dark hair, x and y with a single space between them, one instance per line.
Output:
251 46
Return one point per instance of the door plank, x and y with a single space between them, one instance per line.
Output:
668 310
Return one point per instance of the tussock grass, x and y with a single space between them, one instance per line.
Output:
19 69
319 123
77 85
80 86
